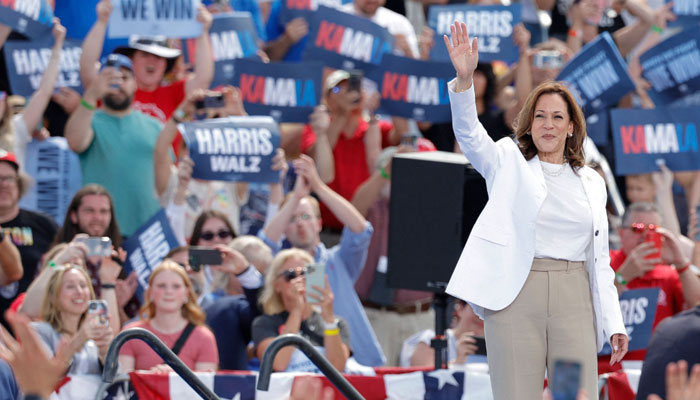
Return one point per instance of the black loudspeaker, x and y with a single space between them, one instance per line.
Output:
435 199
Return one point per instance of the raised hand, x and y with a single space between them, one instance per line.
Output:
463 54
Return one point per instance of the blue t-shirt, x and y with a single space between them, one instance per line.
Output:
8 384
78 16
275 29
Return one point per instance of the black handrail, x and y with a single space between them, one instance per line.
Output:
314 355
112 362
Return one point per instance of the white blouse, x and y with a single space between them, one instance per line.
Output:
565 223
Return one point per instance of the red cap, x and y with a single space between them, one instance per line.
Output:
9 157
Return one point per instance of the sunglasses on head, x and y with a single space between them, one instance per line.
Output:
222 234
293 273
639 227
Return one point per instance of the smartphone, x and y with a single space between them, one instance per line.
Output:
97 246
214 100
480 345
565 380
98 309
199 256
655 238
355 80
315 276
548 59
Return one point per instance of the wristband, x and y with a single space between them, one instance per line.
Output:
331 332
52 264
575 33
331 325
657 29
682 269
86 104
108 286
620 279
383 173
245 270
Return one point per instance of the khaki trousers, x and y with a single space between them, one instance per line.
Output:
552 318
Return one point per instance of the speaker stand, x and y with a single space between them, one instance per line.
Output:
439 342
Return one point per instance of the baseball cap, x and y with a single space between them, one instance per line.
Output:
10 158
117 61
335 78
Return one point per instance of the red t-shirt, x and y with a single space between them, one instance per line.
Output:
162 102
199 347
350 163
664 277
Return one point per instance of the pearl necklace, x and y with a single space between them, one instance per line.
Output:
554 173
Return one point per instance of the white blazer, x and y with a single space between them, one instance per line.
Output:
498 255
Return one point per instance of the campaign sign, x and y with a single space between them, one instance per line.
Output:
232 36
597 75
687 13
147 247
290 9
415 89
170 18
672 67
286 91
32 18
597 127
493 25
643 136
233 148
345 41
26 62
638 308
56 172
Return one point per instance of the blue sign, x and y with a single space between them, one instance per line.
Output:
147 247
598 127
233 148
344 41
415 89
286 91
687 13
232 36
672 67
56 172
643 136
32 18
173 18
597 75
493 25
290 9
638 308
26 62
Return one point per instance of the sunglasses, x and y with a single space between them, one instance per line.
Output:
222 234
293 273
641 228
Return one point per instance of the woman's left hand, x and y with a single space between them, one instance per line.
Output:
325 300
110 269
619 343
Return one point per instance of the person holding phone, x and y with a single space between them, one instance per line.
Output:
536 265
65 316
651 257
465 341
287 307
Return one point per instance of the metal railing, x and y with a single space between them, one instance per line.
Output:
112 363
314 355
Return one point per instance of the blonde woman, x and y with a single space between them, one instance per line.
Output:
286 311
64 317
172 314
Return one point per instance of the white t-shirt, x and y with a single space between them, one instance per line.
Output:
565 222
394 22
